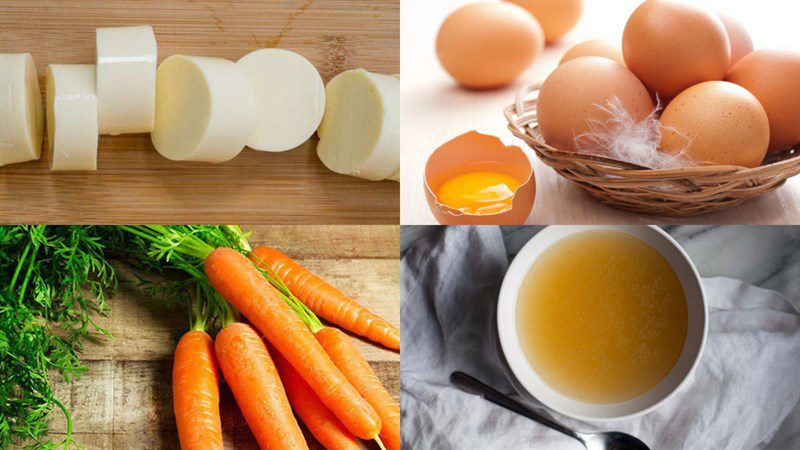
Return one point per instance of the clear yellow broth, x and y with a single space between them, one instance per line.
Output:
479 192
601 316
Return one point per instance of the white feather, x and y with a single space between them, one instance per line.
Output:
622 138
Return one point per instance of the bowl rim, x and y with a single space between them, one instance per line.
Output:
523 370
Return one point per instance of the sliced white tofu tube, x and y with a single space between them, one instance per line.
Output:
360 132
72 116
21 113
395 176
204 109
126 79
289 96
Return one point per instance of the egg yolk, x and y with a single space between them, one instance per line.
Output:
479 192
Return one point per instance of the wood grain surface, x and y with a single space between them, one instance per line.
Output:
125 400
133 183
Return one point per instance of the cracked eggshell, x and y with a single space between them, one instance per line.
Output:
473 151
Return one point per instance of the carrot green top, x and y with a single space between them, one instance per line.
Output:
185 247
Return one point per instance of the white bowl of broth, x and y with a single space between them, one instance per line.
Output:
602 323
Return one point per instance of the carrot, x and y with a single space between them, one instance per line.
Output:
195 392
242 285
358 371
322 423
326 301
254 381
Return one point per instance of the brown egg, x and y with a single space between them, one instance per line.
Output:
570 97
773 76
739 38
557 17
487 45
671 46
723 122
597 47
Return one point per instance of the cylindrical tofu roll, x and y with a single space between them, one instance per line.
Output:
126 79
204 109
289 95
21 113
72 116
395 176
360 132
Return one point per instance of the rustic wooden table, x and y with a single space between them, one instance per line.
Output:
435 110
133 183
125 400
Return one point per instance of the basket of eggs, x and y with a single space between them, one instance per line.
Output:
688 120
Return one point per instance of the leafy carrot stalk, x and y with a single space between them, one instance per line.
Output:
360 374
322 423
326 301
195 392
254 381
244 286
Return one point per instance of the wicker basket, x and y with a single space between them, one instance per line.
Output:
677 192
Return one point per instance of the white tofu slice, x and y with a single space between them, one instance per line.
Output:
289 98
204 109
395 176
21 112
126 79
360 132
72 130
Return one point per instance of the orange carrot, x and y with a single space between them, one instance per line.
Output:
328 430
195 392
358 371
254 381
243 285
326 301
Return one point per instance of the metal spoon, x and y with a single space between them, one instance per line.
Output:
610 440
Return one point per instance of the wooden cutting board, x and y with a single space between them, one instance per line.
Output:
125 400
133 183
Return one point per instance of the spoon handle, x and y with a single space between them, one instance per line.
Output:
472 386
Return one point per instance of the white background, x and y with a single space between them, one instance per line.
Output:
434 109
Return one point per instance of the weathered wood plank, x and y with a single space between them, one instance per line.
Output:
128 404
331 241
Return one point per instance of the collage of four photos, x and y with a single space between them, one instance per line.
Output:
399 224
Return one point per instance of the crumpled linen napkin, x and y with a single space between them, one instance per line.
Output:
746 384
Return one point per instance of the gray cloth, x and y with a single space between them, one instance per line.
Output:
747 382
